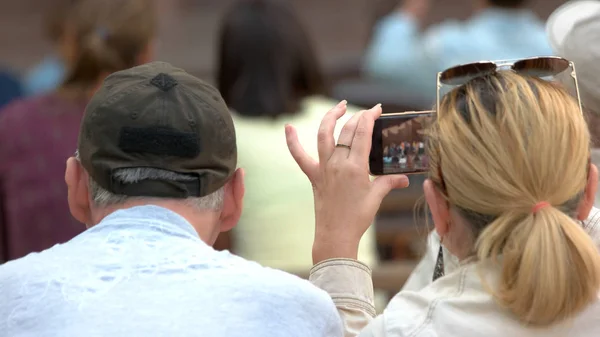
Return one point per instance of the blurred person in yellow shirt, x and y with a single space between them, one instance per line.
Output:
269 76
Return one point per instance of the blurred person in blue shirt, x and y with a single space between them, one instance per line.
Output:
499 29
46 76
50 72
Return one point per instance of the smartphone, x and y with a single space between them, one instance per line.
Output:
398 144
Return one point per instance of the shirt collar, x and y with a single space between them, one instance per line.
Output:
149 215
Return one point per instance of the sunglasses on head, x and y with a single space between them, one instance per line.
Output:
542 67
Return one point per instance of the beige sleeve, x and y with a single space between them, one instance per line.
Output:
349 284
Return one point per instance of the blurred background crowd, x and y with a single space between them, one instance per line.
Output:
274 62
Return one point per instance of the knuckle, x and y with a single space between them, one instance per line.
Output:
334 110
322 136
356 169
351 125
389 183
352 170
361 131
335 169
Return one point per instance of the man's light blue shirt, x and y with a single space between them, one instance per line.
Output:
144 271
400 53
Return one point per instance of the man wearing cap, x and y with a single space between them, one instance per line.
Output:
155 182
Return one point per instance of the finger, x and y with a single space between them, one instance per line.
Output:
361 143
346 136
325 139
384 184
307 164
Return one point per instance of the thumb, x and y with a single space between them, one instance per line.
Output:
384 184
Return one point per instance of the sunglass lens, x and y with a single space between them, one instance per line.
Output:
462 74
541 66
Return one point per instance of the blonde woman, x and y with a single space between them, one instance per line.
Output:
510 183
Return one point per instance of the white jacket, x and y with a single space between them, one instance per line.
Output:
455 305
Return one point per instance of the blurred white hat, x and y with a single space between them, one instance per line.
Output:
574 33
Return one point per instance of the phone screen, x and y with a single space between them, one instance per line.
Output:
398 144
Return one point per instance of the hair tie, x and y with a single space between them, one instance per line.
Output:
540 205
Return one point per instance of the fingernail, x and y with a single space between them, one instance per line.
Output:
343 102
377 105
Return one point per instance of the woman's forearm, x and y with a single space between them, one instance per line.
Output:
332 246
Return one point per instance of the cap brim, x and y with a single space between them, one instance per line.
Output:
562 20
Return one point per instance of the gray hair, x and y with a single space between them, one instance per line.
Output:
102 197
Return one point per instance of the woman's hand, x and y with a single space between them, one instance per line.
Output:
346 200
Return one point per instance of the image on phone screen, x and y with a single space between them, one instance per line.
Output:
398 144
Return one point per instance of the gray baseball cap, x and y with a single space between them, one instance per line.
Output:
158 116
574 33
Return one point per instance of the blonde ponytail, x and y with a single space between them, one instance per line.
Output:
550 267
502 143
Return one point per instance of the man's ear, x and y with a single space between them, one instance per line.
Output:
589 197
233 202
78 191
438 206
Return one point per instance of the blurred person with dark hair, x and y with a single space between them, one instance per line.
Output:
38 134
50 73
269 76
499 29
